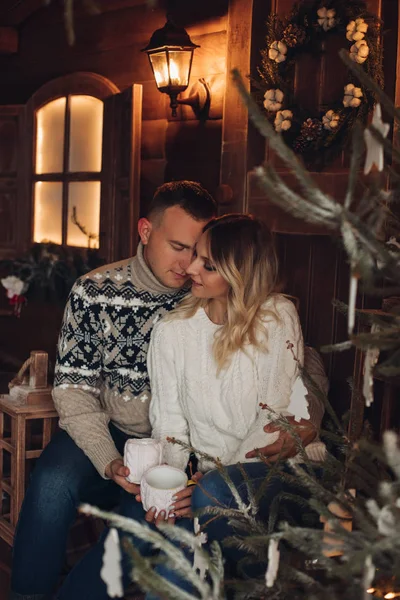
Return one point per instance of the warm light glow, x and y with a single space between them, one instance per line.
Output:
160 67
86 134
85 196
174 73
50 121
391 595
179 65
48 212
162 78
370 590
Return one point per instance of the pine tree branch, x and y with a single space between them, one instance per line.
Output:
370 84
177 557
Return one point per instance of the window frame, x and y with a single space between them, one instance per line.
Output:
82 83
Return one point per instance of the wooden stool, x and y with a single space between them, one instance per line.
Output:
26 404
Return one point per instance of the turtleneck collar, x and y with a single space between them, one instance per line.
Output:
145 278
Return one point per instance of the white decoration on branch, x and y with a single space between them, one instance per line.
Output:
273 563
326 18
388 520
359 52
371 358
352 96
283 120
273 100
374 147
277 51
351 315
356 30
369 572
298 404
199 562
111 571
14 286
330 120
393 242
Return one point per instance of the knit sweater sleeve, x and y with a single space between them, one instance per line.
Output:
78 380
277 371
166 412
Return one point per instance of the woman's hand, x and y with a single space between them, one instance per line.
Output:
182 506
286 445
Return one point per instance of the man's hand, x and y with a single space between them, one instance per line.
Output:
285 446
182 506
118 473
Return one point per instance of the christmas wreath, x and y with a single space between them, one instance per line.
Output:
319 137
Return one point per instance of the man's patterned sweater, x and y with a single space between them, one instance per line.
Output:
101 370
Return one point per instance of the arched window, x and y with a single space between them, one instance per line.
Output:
68 171
84 163
67 166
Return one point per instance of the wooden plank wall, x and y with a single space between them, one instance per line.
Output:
110 44
313 264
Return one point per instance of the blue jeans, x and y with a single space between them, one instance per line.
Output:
84 582
213 491
62 479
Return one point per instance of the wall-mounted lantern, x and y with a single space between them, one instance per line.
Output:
170 53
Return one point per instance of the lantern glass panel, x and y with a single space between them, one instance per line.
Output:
159 62
179 67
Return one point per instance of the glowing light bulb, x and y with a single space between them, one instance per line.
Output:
174 72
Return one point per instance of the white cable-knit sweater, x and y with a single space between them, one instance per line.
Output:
219 414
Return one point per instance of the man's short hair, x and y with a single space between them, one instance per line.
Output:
188 195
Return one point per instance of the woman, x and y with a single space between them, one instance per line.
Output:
234 343
224 350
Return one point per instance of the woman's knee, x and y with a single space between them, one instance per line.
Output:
211 490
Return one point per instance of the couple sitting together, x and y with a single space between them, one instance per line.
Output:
186 340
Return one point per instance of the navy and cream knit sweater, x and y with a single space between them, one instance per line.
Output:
101 372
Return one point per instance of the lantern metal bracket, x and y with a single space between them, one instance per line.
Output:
199 99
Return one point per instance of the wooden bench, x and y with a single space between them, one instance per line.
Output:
28 419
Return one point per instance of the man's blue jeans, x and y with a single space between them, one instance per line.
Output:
64 478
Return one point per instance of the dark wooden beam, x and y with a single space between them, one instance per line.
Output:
231 195
8 40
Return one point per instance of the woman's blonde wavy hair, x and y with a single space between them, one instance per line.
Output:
242 250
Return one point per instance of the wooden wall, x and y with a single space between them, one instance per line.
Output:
314 267
313 264
109 44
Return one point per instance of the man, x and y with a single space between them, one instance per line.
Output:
101 388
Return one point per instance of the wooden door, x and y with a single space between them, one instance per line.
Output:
121 185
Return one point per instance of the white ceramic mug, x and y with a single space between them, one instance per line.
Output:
159 485
140 455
